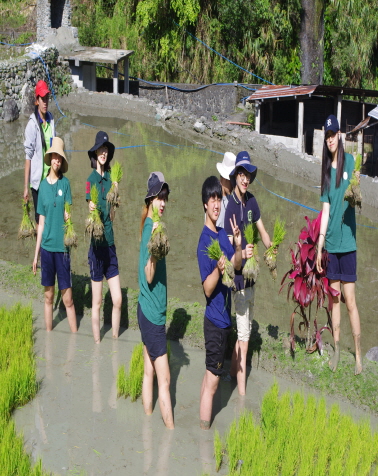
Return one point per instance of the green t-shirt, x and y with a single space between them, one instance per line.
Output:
341 231
152 297
48 133
103 184
51 199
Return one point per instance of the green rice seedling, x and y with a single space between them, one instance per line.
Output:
158 245
214 252
353 192
218 450
122 381
270 255
251 268
94 227
130 383
116 174
70 236
27 228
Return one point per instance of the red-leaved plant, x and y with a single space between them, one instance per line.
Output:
307 284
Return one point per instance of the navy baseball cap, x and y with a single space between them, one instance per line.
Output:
331 124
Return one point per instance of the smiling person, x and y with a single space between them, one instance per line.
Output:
152 304
338 235
217 319
102 256
38 138
54 191
244 207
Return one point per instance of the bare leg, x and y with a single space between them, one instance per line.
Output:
208 389
241 374
336 318
148 382
164 379
49 300
96 304
354 317
70 308
115 292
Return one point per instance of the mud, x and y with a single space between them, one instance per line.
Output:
76 423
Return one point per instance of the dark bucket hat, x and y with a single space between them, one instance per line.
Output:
331 124
243 160
155 183
102 138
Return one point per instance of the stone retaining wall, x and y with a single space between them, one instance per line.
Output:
19 76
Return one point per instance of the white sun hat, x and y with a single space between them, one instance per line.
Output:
227 165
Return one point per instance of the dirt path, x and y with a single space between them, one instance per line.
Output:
76 423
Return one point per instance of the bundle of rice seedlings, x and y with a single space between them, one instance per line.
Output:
353 192
214 251
251 268
112 197
70 237
270 257
94 227
27 228
158 246
130 383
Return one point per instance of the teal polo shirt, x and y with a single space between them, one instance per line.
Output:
341 231
103 184
152 297
51 200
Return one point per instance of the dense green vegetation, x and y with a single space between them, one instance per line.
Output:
18 385
297 436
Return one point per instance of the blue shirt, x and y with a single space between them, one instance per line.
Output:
244 214
218 305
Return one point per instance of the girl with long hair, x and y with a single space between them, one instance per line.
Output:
338 236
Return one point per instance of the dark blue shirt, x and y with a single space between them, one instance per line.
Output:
244 214
218 305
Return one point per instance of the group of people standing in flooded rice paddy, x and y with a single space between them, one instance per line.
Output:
228 207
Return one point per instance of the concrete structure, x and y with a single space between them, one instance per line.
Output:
51 15
82 62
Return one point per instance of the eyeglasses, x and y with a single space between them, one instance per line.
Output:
244 176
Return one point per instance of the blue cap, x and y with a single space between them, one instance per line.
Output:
331 124
243 160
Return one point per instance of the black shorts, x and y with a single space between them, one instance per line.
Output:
215 344
35 203
102 262
342 266
153 336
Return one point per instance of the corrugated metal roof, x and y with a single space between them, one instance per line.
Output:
274 92
374 113
271 92
361 125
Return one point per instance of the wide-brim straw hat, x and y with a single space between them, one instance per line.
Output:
243 160
57 146
155 183
102 138
227 165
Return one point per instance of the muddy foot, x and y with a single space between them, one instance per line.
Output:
205 425
358 368
334 360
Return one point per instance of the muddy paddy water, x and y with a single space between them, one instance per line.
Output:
143 148
76 423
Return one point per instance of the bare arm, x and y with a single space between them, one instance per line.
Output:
263 233
322 233
26 180
211 281
41 226
236 260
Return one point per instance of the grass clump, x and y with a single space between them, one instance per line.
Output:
214 251
18 385
70 236
130 383
27 228
94 227
112 197
298 436
251 268
270 255
218 450
158 246
353 192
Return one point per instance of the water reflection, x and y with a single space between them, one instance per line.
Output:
185 167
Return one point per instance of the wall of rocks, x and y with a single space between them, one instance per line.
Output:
19 76
216 100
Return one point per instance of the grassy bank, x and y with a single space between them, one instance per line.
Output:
18 386
268 349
